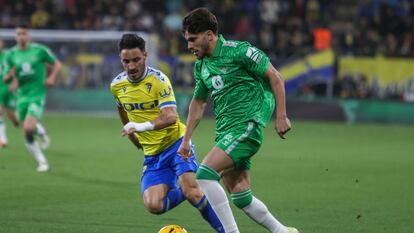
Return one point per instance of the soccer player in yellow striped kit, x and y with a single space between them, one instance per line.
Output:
147 108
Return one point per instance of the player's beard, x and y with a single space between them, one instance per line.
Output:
135 76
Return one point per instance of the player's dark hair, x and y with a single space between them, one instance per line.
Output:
200 20
23 24
131 41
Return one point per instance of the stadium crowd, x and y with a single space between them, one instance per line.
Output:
280 27
284 29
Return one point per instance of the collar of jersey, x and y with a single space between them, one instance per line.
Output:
140 79
217 49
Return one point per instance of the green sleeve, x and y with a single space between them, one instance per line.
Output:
48 56
5 66
200 90
253 59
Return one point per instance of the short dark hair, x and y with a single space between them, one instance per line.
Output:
23 24
200 20
131 41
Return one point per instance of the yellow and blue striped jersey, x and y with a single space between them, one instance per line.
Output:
143 102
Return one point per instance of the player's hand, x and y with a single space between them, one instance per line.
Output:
132 127
50 81
129 128
185 150
13 85
282 126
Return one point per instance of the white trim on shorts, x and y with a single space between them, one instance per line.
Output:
240 139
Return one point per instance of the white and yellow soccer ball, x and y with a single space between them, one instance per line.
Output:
172 229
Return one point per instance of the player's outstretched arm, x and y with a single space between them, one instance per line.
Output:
124 119
195 113
283 124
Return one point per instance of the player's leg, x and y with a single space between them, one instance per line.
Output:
185 170
193 194
44 142
30 113
160 198
29 128
10 104
208 176
3 134
237 183
11 113
159 186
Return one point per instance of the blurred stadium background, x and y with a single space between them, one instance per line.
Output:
348 65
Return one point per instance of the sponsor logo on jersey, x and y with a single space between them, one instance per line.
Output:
139 106
124 89
217 82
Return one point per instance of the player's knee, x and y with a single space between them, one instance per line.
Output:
242 199
28 130
192 193
204 172
154 206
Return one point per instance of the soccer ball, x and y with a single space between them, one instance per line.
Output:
172 229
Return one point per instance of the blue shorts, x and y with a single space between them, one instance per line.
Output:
166 167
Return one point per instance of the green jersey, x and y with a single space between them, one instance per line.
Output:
234 78
3 71
30 70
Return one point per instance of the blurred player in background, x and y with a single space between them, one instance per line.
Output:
243 86
147 108
7 99
28 64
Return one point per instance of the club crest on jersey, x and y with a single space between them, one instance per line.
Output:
124 89
205 72
149 86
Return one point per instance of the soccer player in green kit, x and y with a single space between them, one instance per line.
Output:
243 85
7 99
27 62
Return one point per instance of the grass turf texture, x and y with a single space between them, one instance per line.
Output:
325 177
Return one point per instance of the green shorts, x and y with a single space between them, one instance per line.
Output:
241 143
33 108
7 98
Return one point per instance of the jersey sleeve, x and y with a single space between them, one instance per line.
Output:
166 97
200 90
114 93
4 66
253 59
48 56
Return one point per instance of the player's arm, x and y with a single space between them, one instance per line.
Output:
195 113
51 78
278 88
9 71
124 119
167 117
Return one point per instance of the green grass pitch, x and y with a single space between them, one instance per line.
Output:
324 178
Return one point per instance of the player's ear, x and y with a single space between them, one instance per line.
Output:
145 54
210 35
